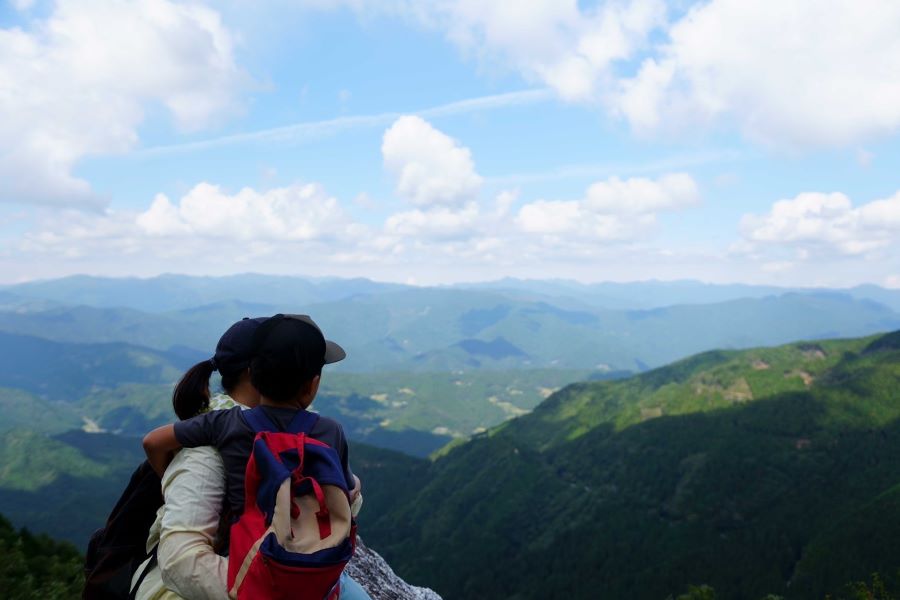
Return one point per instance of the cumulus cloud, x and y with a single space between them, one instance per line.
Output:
558 43
816 224
438 222
611 210
824 75
811 239
77 84
791 75
297 213
563 44
429 167
207 230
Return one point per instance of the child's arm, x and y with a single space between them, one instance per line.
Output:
202 430
160 446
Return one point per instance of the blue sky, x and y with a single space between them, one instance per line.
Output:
452 140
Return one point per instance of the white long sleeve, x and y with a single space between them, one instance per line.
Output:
193 488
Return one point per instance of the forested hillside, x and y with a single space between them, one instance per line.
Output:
760 471
37 567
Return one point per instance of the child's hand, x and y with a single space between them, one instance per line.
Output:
356 498
357 489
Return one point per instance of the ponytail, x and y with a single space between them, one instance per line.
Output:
191 396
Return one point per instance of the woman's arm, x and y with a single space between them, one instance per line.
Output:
194 489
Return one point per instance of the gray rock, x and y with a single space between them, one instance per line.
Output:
375 576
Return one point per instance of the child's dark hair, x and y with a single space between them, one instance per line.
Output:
290 352
281 383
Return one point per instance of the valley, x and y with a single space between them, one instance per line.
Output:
578 440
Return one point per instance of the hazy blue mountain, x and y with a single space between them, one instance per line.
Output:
630 295
87 324
176 292
889 298
13 302
66 372
658 294
431 329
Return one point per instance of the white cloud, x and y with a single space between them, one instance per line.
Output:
824 75
612 210
207 231
556 42
297 213
301 229
22 5
816 224
437 222
795 74
429 167
77 84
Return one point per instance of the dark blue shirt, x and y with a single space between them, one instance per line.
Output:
229 433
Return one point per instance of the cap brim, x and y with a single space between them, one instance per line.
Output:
333 352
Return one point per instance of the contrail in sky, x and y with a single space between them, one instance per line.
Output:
299 132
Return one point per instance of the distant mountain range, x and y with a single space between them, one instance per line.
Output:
503 325
771 470
167 293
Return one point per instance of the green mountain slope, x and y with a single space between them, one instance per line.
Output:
22 410
64 485
743 470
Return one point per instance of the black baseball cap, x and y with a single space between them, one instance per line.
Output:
236 347
295 341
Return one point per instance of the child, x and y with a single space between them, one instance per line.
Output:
290 354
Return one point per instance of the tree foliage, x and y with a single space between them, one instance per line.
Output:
35 567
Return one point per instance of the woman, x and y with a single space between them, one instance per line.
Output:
186 564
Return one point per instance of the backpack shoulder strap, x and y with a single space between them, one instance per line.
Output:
258 421
151 564
303 422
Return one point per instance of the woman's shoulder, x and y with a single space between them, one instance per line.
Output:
202 461
224 402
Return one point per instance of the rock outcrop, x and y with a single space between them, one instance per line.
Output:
375 576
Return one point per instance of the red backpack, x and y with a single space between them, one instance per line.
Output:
296 533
